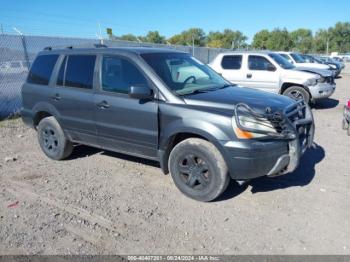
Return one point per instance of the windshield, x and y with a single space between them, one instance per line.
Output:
284 63
182 73
298 58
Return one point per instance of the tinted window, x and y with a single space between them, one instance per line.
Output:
41 70
259 63
60 78
231 62
80 71
118 75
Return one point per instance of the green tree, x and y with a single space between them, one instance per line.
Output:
186 37
155 37
260 39
302 40
339 37
226 39
320 41
127 37
279 39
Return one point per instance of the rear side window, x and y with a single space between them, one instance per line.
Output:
79 71
41 70
259 63
231 62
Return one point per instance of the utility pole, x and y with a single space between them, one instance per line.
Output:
233 44
100 34
327 45
192 44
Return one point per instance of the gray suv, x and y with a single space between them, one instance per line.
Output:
167 106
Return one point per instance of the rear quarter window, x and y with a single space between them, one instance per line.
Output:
232 62
41 70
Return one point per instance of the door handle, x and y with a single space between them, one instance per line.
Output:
249 75
56 97
103 105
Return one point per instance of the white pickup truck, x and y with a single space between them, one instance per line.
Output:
268 71
299 61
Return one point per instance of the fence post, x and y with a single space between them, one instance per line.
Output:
25 50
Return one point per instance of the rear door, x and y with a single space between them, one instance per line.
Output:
125 124
261 74
232 68
73 97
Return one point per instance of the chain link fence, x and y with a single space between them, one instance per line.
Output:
17 52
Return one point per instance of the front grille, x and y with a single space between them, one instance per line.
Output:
296 115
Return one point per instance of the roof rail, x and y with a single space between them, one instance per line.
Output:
100 46
49 48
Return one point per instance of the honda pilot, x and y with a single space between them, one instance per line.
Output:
166 106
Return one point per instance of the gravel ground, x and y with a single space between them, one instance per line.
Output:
105 203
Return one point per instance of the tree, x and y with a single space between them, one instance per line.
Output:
260 39
339 37
197 35
279 39
320 41
154 37
127 37
227 39
302 40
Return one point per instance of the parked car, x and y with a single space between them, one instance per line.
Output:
13 67
202 129
297 60
268 71
335 67
346 117
330 61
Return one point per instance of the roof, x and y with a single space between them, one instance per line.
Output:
264 52
134 50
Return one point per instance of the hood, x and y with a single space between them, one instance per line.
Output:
228 97
312 65
321 72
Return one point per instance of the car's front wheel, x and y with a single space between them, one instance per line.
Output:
198 169
52 140
297 93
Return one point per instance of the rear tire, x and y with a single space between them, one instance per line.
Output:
52 140
198 169
297 93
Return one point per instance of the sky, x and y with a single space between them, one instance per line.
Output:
79 18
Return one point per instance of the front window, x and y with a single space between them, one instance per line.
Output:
182 73
281 61
298 58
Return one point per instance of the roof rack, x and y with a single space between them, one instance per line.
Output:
100 46
49 48
69 47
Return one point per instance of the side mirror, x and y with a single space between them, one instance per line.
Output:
140 92
271 68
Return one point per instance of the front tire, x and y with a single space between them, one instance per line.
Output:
52 140
297 93
198 169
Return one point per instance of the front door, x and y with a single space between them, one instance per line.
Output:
125 124
261 74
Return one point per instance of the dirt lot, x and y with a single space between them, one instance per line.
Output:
105 203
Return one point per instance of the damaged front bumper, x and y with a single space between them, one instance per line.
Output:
277 153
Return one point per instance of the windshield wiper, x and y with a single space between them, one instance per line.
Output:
205 90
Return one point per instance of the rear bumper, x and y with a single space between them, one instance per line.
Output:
322 90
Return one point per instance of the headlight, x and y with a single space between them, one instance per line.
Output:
333 66
262 125
321 80
311 82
